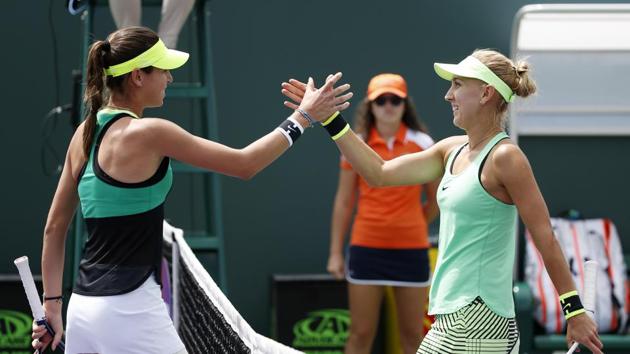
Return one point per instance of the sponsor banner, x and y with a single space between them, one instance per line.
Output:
15 316
310 313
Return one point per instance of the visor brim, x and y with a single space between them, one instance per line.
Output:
448 71
172 60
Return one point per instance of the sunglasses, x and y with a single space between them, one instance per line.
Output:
394 100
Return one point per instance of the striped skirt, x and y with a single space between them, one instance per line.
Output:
474 329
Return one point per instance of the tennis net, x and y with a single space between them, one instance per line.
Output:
206 320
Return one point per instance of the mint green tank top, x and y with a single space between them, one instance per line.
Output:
477 241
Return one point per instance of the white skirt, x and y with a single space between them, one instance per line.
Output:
135 322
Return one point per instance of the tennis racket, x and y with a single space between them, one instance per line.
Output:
33 296
590 284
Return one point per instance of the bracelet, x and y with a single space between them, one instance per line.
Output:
571 304
58 299
311 122
336 126
291 130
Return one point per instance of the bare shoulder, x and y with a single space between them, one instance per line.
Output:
508 155
454 140
152 129
447 145
510 163
161 136
77 137
75 157
75 149
156 125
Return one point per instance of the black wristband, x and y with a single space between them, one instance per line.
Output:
335 125
571 304
291 130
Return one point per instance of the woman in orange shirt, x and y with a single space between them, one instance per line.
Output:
389 243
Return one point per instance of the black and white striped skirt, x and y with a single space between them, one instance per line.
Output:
474 329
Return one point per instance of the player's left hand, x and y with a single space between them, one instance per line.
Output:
41 337
582 329
295 90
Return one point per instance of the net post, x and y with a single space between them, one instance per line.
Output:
175 266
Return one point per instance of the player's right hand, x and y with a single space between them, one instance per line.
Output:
299 92
336 266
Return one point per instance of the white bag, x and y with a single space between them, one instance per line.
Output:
581 240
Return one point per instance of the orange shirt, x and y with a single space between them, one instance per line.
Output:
391 217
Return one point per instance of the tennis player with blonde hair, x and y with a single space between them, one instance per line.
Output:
485 181
118 167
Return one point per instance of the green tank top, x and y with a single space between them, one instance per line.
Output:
123 220
102 196
477 241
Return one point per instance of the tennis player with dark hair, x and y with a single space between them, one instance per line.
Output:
485 181
389 242
118 167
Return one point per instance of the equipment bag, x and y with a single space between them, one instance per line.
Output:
581 240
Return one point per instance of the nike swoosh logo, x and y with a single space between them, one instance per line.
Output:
444 187
566 307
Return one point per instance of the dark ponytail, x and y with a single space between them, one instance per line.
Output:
93 97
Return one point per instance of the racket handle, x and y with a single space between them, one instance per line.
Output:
29 287
590 290
590 286
33 297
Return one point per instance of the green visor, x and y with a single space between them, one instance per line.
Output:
157 56
471 67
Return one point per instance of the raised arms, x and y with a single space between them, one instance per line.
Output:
417 168
170 140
